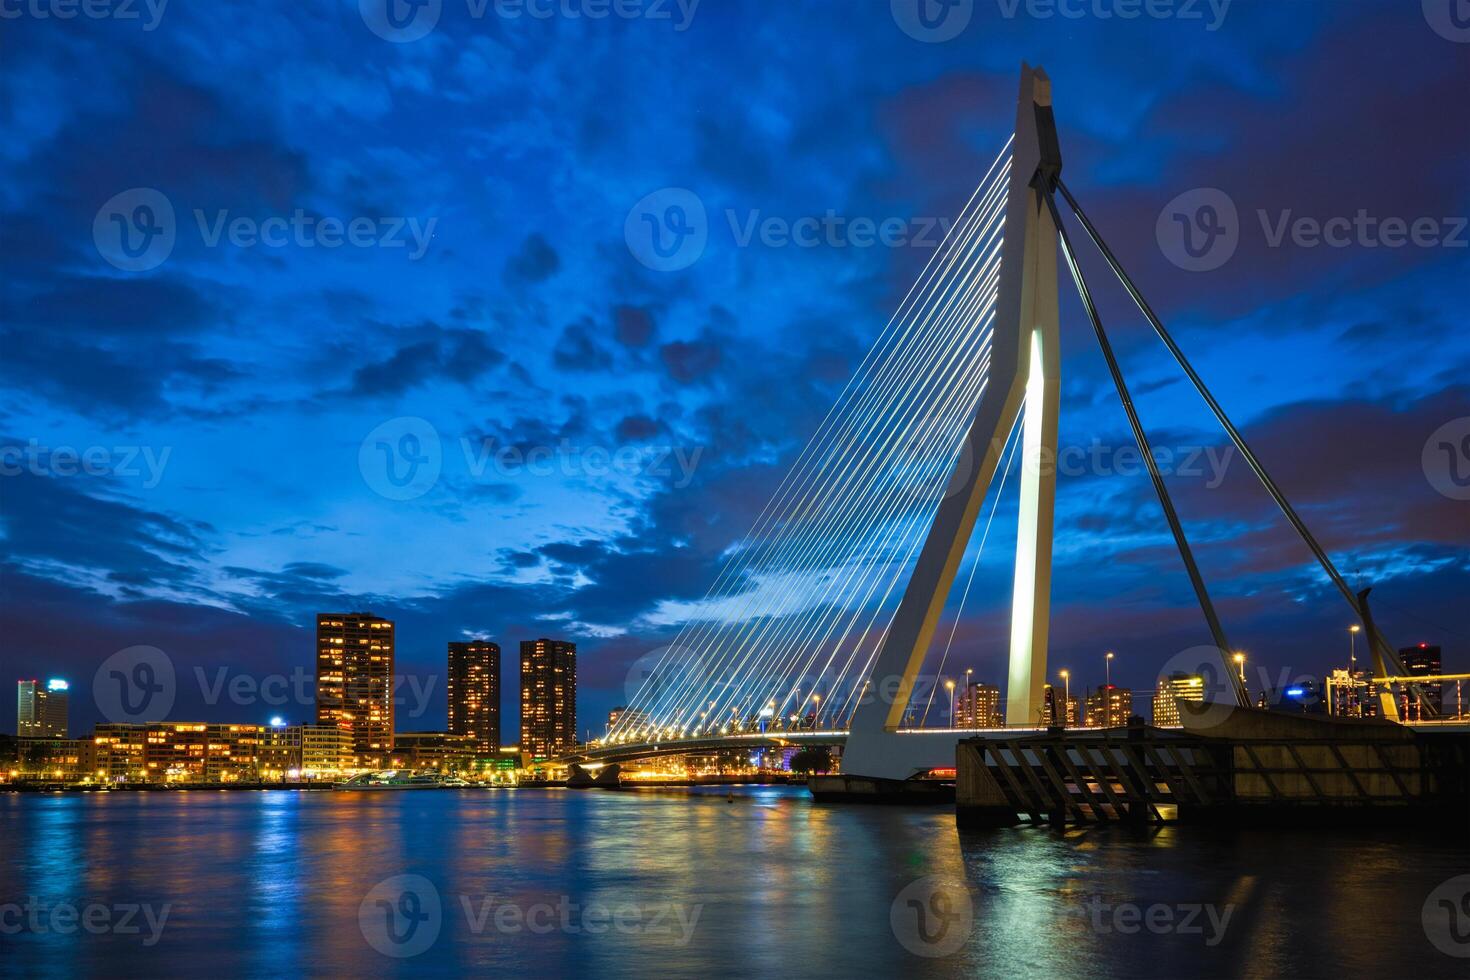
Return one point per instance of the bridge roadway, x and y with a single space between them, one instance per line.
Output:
630 751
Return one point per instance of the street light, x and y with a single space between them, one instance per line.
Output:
950 685
1108 667
1066 676
1240 662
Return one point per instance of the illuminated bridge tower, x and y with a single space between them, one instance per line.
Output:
1025 371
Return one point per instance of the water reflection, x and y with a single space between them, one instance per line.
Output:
758 880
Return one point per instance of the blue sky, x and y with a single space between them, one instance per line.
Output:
492 165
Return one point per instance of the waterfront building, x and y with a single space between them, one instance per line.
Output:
326 751
548 697
41 712
434 751
1109 706
66 759
474 694
1178 686
120 752
354 678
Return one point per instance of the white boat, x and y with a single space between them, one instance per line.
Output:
390 779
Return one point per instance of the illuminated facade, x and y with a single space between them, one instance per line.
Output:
1176 687
474 694
1424 660
41 711
1049 698
434 751
55 758
1109 706
548 697
980 707
326 750
354 678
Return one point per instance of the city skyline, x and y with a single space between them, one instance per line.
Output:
234 503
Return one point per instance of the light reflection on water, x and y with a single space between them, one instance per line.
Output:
271 884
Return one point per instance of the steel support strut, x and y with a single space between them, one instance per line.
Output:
1141 438
1376 637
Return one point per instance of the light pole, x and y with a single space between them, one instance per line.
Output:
1066 697
1240 662
950 684
1108 667
1352 666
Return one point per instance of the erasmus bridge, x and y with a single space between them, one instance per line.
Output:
818 626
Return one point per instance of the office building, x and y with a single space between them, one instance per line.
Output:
1177 687
548 698
474 694
354 678
41 712
1109 706
1049 698
1424 660
980 707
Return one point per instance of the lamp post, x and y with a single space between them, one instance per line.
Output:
1352 667
950 684
1066 676
1108 667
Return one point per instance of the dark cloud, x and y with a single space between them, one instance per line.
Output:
536 261
457 354
633 326
577 349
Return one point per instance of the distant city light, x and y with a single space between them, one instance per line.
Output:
277 721
1295 692
57 684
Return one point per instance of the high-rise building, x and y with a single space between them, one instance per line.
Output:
41 712
1424 660
1049 698
354 678
474 694
548 697
979 707
1177 687
1109 706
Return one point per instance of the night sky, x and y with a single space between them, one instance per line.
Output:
226 383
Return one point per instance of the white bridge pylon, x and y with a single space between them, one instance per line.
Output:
1024 376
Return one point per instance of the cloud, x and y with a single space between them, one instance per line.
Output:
536 261
457 354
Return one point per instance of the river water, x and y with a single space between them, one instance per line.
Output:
694 883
